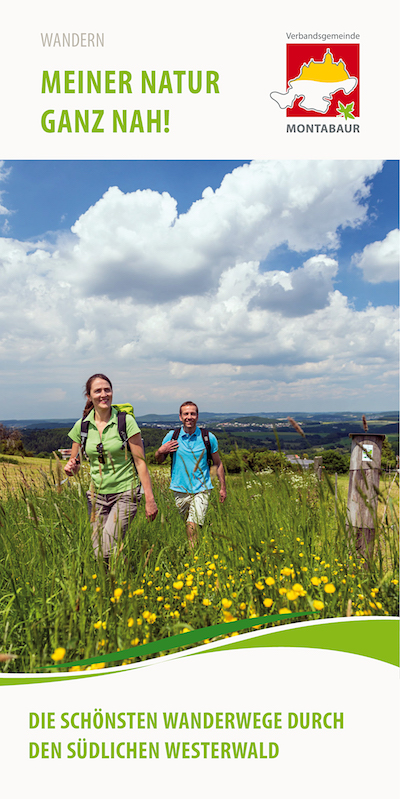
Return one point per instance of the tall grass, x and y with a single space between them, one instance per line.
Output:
275 546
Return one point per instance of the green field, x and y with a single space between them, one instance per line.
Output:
275 546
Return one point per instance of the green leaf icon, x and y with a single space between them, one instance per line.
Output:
346 111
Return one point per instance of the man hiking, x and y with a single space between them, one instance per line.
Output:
192 450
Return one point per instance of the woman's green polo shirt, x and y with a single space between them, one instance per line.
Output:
118 474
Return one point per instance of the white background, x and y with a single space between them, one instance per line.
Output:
245 44
360 760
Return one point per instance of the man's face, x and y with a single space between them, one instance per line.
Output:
188 417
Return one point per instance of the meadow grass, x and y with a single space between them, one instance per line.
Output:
275 546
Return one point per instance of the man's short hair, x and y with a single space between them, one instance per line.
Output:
189 402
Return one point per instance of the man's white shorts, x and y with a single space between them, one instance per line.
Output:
193 507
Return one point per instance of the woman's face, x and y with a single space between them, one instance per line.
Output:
101 394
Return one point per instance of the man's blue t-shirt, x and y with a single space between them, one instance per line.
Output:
190 472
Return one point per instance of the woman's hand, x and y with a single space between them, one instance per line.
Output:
72 467
151 509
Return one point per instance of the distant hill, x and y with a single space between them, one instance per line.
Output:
215 418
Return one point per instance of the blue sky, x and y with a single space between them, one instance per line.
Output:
246 285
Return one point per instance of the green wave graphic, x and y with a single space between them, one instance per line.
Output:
163 645
373 638
183 639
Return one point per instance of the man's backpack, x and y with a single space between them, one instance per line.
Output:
122 410
206 441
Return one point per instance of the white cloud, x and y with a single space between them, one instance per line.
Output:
136 245
174 304
379 261
299 292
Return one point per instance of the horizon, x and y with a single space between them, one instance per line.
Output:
260 414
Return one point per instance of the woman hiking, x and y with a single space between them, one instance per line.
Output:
117 491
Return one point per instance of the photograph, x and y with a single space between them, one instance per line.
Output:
199 417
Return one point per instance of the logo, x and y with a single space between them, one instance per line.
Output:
322 81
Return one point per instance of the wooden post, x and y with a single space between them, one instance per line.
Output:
318 466
365 463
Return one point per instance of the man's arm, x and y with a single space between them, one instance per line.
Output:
220 474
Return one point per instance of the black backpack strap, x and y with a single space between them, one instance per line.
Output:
84 434
121 420
174 437
207 444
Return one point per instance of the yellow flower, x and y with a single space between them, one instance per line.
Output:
97 625
98 589
282 591
286 572
284 610
324 579
167 607
206 602
226 603
297 587
292 595
318 604
94 576
185 630
315 580
228 616
130 622
58 654
95 666
270 581
178 585
117 593
189 597
259 585
146 614
134 641
267 603
242 606
329 588
75 668
152 618
84 588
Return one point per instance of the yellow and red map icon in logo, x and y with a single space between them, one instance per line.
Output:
322 81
